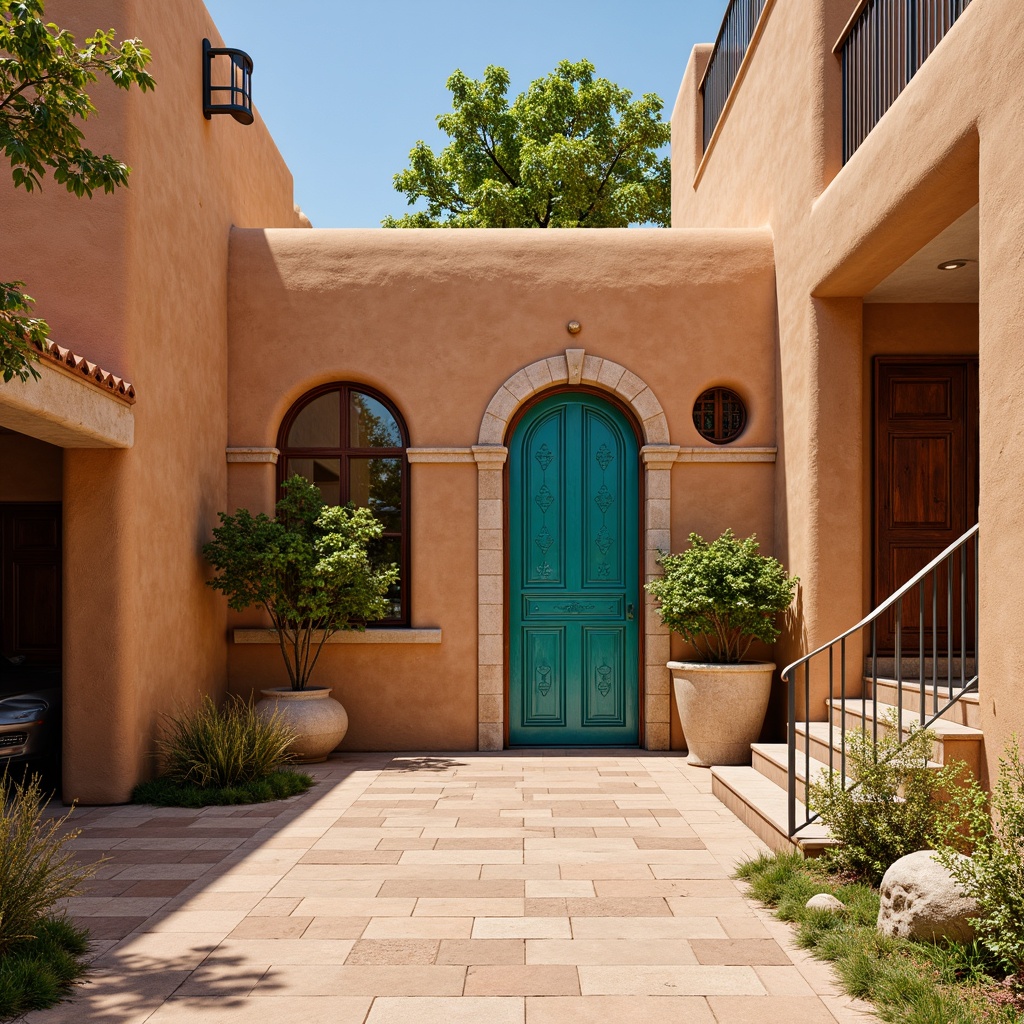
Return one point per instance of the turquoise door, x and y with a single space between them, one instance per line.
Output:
573 575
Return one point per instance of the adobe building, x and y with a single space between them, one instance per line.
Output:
857 404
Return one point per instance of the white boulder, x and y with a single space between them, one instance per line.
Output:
825 901
922 900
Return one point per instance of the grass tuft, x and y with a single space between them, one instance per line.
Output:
166 792
909 982
38 972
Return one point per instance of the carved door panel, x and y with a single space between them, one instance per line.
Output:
573 575
925 482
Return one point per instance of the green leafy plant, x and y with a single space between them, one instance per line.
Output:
571 151
36 973
44 81
37 864
722 596
309 567
891 808
279 785
991 830
220 747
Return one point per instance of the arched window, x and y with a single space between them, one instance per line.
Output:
350 441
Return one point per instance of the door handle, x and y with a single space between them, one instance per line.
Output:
629 613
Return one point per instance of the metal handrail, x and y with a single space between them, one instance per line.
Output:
882 46
929 628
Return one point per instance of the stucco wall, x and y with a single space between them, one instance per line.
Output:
137 281
438 320
946 142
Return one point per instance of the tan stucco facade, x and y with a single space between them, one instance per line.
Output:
200 285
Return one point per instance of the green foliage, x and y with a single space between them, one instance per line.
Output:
722 596
991 830
909 982
38 972
571 151
222 747
37 866
44 82
308 567
164 792
891 809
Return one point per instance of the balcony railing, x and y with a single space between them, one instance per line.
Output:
883 45
731 46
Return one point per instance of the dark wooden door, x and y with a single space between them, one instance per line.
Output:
30 582
925 484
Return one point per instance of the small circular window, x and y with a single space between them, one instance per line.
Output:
719 415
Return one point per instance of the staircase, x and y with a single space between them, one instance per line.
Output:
934 685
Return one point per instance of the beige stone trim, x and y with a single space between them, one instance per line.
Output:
573 367
725 454
66 409
442 455
253 455
369 636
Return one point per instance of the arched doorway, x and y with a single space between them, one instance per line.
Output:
574 575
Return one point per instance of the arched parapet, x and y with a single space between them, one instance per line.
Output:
574 367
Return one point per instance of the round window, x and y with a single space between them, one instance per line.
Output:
719 415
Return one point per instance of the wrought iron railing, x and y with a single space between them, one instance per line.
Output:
883 45
940 606
731 46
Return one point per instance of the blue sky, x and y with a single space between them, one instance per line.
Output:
348 87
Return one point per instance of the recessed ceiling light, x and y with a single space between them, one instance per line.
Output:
953 264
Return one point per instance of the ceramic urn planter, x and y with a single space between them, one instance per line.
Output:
721 708
318 721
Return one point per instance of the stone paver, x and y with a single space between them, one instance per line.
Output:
527 888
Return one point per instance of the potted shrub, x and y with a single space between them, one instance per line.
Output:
720 597
310 569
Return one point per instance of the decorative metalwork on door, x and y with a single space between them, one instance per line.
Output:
573 575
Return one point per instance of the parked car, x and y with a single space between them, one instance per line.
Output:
30 718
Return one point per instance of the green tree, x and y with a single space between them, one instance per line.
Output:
44 80
571 151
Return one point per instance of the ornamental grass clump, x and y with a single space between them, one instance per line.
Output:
41 952
722 596
309 567
228 755
221 747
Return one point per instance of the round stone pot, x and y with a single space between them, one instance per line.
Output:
318 721
721 708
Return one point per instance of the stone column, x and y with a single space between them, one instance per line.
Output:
658 462
490 460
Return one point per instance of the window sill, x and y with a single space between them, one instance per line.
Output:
369 636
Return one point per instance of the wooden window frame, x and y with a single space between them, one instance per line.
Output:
717 394
344 452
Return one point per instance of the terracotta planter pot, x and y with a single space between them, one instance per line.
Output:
721 708
318 721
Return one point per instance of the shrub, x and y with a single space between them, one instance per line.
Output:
37 972
37 866
223 747
890 810
721 597
309 567
991 830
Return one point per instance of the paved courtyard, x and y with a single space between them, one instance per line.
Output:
443 889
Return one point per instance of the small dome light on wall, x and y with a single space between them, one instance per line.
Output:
953 264
227 82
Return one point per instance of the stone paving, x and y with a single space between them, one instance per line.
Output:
517 888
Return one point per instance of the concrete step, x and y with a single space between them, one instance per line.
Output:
763 807
953 742
966 711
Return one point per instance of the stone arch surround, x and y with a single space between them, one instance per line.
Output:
491 453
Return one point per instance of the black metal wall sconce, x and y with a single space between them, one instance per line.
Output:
232 93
